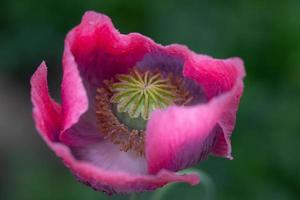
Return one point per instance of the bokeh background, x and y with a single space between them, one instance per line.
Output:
266 141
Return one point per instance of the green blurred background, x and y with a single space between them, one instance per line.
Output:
266 141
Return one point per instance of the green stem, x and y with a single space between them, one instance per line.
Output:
158 194
133 196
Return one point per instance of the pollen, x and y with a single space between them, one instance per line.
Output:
125 102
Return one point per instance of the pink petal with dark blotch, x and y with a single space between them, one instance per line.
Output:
180 137
101 51
100 165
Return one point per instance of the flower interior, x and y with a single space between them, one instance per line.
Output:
125 102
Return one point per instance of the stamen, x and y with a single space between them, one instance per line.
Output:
112 129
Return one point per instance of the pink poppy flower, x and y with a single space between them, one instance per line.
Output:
133 113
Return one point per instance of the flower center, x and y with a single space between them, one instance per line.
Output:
124 105
137 94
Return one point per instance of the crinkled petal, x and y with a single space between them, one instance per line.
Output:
180 137
111 181
101 51
216 77
107 155
46 112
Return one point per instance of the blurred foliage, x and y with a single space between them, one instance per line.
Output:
264 33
